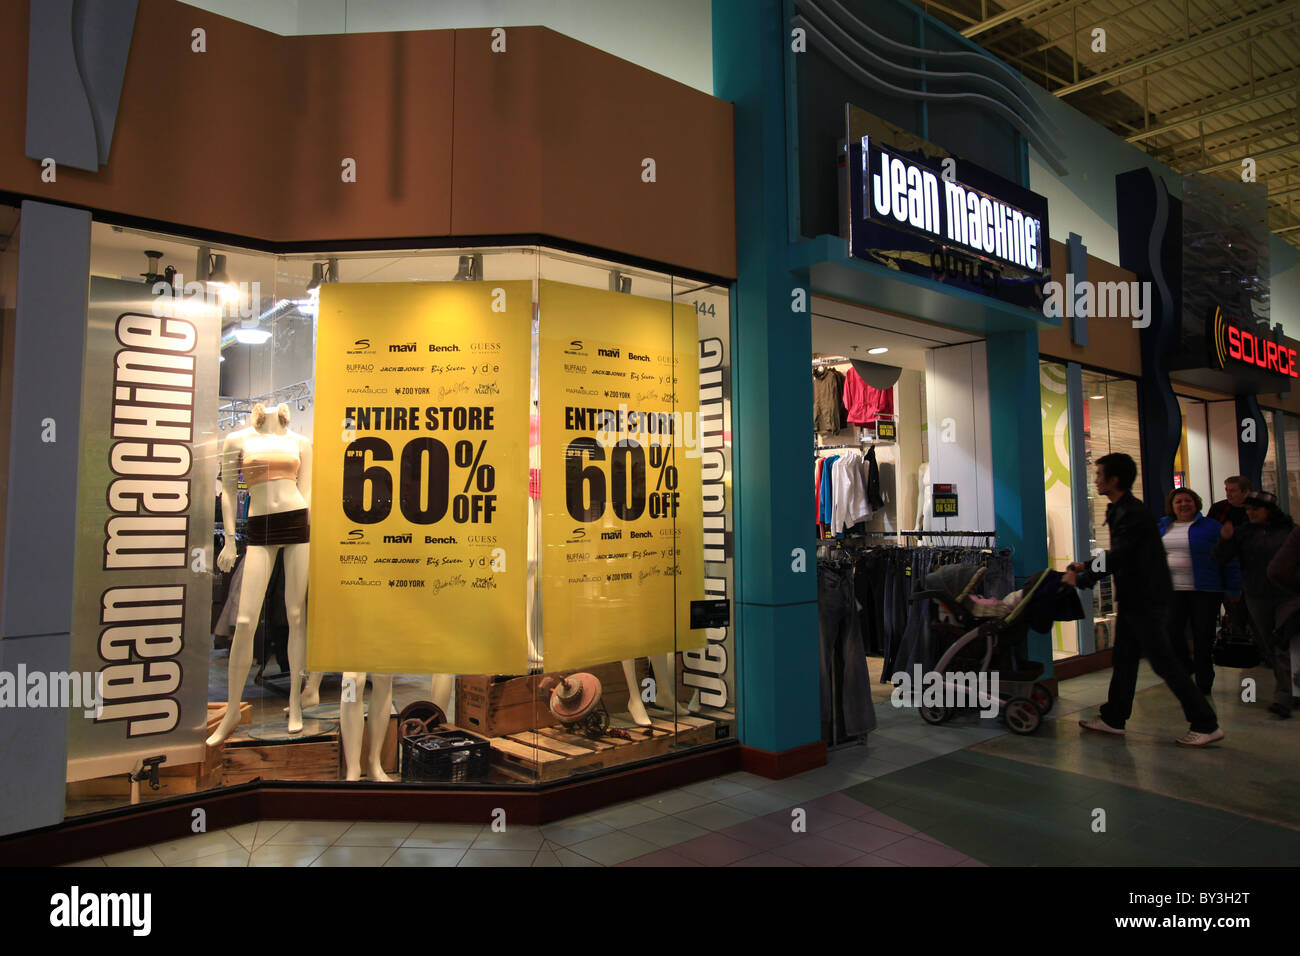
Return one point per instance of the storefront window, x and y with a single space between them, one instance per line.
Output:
1110 423
1058 489
1268 476
495 480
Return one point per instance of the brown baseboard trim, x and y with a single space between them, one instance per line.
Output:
131 827
1078 666
779 764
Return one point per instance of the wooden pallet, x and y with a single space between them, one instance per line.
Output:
552 753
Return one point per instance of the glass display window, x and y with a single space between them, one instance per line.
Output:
446 517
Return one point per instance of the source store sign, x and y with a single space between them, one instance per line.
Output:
1233 346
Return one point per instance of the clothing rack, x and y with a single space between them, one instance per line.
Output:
833 360
857 444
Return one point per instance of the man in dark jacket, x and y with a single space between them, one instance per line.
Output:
1143 590
1232 510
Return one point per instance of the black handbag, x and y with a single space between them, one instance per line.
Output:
1234 647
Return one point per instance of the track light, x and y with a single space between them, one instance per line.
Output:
322 272
619 282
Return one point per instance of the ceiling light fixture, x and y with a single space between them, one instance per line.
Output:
322 272
1096 396
878 350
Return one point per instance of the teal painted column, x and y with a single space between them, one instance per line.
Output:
776 605
1019 506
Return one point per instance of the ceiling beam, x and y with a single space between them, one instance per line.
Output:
1185 46
1229 164
1010 13
1194 144
1195 118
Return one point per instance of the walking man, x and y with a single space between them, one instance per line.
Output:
1143 591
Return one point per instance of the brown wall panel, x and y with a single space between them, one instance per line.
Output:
497 138
449 138
1113 344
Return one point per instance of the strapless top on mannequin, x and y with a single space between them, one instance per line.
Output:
267 464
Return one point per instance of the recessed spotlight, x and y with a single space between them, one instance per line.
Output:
1096 396
879 350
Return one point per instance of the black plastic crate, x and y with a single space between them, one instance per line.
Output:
445 755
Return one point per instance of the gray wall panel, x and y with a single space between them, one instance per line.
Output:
33 741
49 341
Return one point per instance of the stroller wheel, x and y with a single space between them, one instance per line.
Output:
936 715
1021 715
1042 698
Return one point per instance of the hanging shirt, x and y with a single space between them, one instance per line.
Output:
864 403
828 405
849 493
826 485
817 492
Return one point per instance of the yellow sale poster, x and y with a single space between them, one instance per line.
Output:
622 521
419 507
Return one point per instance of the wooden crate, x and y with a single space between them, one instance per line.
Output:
245 759
218 710
173 779
552 753
497 708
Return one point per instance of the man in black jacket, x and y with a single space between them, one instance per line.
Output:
1143 590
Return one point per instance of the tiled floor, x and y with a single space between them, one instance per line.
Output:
964 794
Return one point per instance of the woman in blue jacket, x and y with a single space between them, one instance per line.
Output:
1199 582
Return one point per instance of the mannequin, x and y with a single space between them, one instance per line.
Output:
350 720
276 465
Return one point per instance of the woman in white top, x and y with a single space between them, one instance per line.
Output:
1199 582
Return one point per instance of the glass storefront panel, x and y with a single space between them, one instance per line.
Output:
409 403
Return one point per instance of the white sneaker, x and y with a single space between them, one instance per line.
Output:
1101 726
1194 739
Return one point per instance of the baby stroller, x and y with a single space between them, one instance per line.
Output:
982 638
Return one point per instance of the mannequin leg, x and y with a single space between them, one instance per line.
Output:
666 683
258 562
311 692
381 706
295 605
634 705
441 693
350 721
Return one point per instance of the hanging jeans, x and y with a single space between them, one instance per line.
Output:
845 684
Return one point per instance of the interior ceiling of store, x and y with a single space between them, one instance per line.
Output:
1198 84
839 329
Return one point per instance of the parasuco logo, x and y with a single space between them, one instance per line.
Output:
404 347
353 559
366 390
360 347
578 390
360 583
397 538
608 353
638 357
575 348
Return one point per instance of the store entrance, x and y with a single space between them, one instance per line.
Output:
902 472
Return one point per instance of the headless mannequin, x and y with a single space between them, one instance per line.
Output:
266 434
350 721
